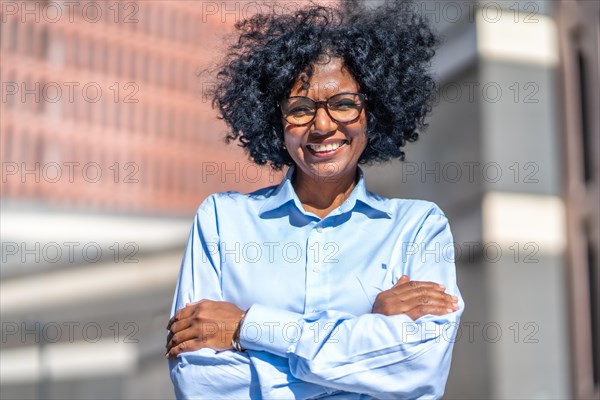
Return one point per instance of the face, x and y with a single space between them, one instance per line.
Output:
324 148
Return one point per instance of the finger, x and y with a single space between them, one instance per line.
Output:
192 329
445 301
429 302
181 324
403 279
181 314
394 305
421 311
169 337
190 345
426 283
425 293
184 336
185 312
412 285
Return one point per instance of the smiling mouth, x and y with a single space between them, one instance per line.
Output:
326 149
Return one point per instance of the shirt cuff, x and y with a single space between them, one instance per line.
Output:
270 329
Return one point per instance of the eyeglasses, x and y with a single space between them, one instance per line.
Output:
342 108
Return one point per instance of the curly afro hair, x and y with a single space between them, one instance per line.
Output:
386 49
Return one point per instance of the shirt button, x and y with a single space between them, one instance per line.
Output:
315 310
316 270
319 229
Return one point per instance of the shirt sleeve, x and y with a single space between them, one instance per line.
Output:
206 373
378 355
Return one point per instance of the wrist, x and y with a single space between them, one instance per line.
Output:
235 340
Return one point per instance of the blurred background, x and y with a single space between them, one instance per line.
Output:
109 143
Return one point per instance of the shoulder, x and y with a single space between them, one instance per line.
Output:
222 201
401 208
412 218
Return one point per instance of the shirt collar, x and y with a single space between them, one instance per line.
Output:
285 194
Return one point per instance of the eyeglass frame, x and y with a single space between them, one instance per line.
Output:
323 103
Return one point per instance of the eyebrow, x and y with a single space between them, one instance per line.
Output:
327 97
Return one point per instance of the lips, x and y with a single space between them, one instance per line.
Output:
326 148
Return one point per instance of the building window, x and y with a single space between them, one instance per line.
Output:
104 55
7 143
92 55
29 40
11 100
14 35
74 53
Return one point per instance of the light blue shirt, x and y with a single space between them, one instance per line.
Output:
309 285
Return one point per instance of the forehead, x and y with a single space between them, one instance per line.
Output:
328 79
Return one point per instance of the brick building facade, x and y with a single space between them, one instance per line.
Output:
104 107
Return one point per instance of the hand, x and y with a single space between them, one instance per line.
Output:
415 299
205 323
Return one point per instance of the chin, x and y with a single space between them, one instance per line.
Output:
330 169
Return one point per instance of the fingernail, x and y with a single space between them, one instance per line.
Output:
455 298
442 286
449 310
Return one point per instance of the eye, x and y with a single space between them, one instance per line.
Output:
300 110
344 104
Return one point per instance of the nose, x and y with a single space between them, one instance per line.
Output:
323 124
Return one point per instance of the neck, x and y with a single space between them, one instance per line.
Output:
322 195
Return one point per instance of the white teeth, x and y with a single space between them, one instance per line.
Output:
320 148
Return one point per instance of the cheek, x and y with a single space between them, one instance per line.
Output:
288 140
292 136
360 128
293 147
363 144
360 133
361 141
364 131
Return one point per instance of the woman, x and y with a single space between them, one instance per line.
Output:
316 287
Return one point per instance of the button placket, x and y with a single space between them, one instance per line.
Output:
315 280
316 269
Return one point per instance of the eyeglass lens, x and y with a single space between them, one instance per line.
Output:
343 107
